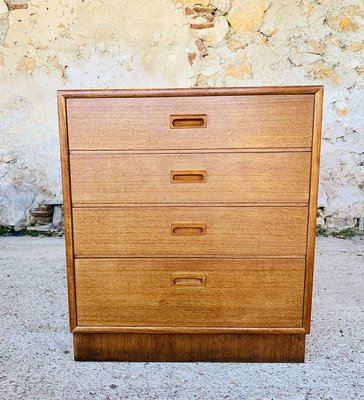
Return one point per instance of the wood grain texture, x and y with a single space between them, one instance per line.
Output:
154 205
190 92
255 206
144 123
230 231
192 348
194 151
67 208
190 330
230 178
174 292
311 234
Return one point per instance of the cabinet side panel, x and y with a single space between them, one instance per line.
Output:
66 188
312 213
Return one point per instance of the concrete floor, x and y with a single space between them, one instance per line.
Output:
36 348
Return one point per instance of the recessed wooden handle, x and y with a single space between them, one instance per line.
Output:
188 229
188 279
190 176
188 121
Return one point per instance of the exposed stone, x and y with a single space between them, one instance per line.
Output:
268 30
210 18
322 197
201 47
207 35
240 71
188 11
247 15
320 221
191 57
342 23
346 24
360 70
357 46
57 220
319 70
26 64
14 202
341 112
316 47
308 9
211 63
234 44
202 25
222 5
353 10
204 10
41 228
221 29
41 215
206 80
340 223
19 6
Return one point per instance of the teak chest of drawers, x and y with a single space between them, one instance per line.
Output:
190 221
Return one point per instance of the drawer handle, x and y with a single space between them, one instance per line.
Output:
188 229
188 121
188 176
188 279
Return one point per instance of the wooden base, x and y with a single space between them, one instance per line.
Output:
188 347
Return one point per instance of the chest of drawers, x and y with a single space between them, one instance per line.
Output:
190 221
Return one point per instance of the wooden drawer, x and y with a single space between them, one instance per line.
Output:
198 292
190 219
184 231
189 178
205 122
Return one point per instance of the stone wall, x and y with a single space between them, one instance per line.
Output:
48 45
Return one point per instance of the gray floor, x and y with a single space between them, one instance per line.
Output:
36 349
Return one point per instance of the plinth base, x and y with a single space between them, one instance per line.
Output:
189 347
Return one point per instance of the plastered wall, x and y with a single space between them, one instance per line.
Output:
50 45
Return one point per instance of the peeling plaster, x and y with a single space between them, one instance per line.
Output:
72 44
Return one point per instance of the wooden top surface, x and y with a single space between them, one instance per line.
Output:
173 92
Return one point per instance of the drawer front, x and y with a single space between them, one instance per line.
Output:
190 122
196 178
172 292
183 231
